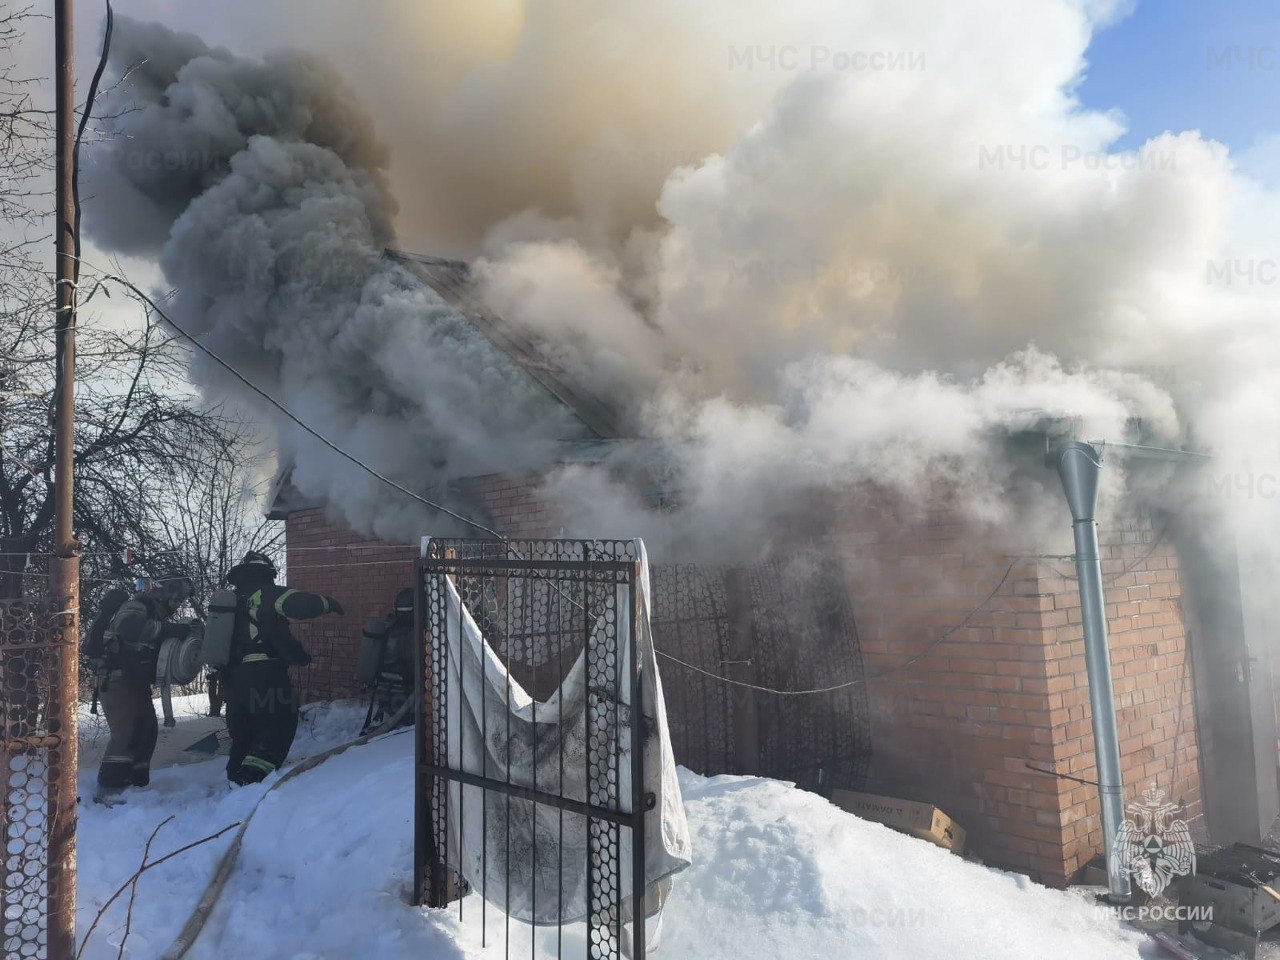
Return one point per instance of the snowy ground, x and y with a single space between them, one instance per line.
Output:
193 723
779 873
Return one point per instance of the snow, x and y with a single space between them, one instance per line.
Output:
111 840
193 722
780 872
326 868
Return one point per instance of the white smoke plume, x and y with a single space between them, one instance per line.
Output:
809 243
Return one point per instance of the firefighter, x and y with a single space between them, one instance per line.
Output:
262 714
393 682
215 691
131 647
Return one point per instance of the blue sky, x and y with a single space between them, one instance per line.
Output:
1190 65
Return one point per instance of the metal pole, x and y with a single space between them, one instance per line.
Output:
64 577
423 855
639 735
1080 468
746 717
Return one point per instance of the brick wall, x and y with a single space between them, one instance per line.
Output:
512 505
958 725
362 573
1007 686
1152 677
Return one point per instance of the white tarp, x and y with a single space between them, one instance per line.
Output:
498 730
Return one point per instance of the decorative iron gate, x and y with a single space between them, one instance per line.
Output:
38 803
541 606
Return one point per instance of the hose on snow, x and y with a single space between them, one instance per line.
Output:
191 930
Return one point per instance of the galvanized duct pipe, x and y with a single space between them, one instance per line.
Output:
1080 468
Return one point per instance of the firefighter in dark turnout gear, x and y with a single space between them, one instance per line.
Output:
392 680
262 714
131 646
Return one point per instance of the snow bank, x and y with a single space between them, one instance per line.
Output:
782 873
778 873
111 841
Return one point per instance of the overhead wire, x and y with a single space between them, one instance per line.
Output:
224 364
1112 580
475 524
289 413
354 563
897 668
295 418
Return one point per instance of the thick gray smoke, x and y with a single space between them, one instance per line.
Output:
260 186
820 242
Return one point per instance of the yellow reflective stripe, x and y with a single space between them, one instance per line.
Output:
255 657
266 766
281 599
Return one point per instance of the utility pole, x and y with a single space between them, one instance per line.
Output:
63 661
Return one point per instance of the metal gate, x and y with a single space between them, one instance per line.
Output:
540 606
37 779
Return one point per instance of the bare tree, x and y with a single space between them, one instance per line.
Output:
156 473
211 516
26 159
144 451
25 141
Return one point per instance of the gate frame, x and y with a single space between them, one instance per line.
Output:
37 826
432 884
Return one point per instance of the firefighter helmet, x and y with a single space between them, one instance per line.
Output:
255 565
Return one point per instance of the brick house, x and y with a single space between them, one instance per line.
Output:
970 638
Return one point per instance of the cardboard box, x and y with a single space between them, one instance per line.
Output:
922 820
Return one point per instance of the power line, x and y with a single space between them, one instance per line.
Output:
213 355
1061 776
911 661
1112 580
207 351
358 546
38 573
364 563
84 123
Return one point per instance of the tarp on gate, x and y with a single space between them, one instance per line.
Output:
531 860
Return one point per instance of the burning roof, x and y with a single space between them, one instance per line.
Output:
452 280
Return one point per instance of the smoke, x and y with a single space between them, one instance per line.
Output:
261 188
805 245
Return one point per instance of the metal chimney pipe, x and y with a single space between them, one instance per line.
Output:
1080 468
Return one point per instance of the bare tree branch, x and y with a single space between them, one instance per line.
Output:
158 473
140 871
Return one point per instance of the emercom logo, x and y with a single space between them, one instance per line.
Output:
1153 846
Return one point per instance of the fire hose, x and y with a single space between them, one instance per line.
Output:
191 930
